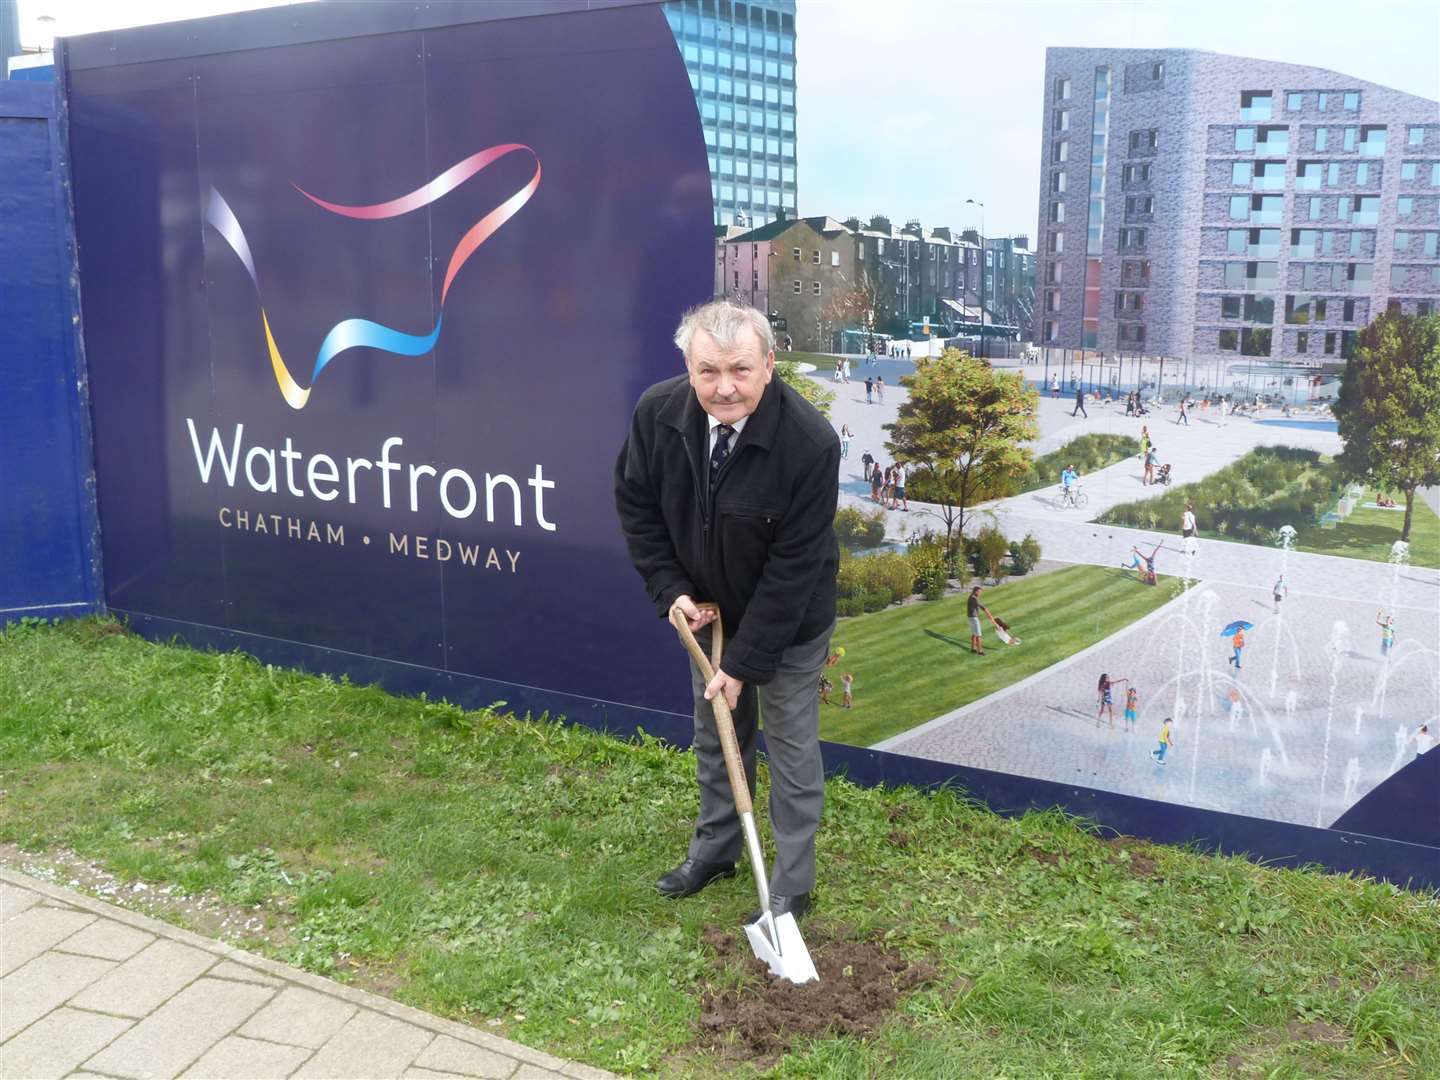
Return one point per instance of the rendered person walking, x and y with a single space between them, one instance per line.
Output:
1184 416
1387 632
1054 386
1150 459
877 482
1238 644
1167 740
868 461
869 390
973 608
1080 403
845 436
899 502
880 389
1188 531
1106 690
1280 591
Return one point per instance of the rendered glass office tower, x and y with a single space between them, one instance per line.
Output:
741 58
1194 204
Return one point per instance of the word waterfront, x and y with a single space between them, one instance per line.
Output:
455 489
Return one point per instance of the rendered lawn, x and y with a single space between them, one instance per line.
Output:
913 663
1369 533
489 868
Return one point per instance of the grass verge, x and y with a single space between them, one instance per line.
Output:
1368 533
500 871
912 663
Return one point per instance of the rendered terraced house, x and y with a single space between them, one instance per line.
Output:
1211 206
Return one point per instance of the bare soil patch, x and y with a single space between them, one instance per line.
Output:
860 984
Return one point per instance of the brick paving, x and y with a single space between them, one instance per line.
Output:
89 989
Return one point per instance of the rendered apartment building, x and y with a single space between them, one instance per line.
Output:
740 55
1202 205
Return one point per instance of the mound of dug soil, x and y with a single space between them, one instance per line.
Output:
860 984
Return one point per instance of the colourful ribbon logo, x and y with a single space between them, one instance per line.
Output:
362 333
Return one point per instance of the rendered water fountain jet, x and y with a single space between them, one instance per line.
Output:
1402 741
1265 761
1398 557
1359 716
1339 642
1285 537
1352 778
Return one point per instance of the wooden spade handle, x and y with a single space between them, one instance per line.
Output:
724 722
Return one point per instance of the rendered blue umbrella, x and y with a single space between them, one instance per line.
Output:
1238 624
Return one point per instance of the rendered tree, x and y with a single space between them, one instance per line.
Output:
788 371
965 426
1388 408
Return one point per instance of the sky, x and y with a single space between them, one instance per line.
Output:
910 107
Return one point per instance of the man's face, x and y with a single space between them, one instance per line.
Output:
729 383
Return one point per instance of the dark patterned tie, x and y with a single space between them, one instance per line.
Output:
721 451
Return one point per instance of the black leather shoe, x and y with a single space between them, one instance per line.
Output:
691 876
796 905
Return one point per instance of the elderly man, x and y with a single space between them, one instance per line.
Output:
726 489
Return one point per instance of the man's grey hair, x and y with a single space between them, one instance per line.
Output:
725 321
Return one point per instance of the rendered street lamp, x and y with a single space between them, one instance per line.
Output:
981 205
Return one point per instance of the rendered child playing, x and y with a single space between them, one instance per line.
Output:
847 681
1132 703
1107 697
1167 740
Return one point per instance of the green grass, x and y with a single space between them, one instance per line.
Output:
1369 533
485 867
913 663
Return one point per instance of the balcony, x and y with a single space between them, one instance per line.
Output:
1308 183
1273 147
1268 217
1256 112
1365 217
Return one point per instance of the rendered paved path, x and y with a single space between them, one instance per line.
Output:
91 990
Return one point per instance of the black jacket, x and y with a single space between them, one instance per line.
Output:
761 544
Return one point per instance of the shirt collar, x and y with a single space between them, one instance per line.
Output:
738 425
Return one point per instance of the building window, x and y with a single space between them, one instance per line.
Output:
1057 243
1057 183
795 286
1317 205
815 288
1294 101
1061 121
1350 134
1057 213
834 258
1330 343
1060 152
1405 206
795 253
1052 273
1349 311
1402 241
1244 138
1062 89
1372 140
1408 170
1255 104
1416 137
1157 72
1302 341
1322 136
1229 307
1241 173
1255 341
1352 101
1052 331
815 256
1228 340
1398 274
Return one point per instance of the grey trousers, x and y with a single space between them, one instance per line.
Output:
790 707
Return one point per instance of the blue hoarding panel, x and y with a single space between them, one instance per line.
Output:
47 540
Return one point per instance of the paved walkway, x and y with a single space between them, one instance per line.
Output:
91 990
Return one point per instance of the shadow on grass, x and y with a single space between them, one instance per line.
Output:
947 639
